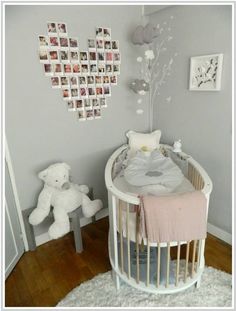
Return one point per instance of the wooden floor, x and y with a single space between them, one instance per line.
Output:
43 277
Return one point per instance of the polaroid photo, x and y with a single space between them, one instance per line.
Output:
116 57
74 81
62 28
43 41
55 81
100 45
99 91
91 80
115 45
64 56
74 93
74 56
95 102
98 80
108 69
83 92
101 69
113 80
107 33
67 69
54 56
66 94
101 56
52 28
93 69
107 90
91 44
109 57
97 113
73 42
48 70
81 115
103 102
43 56
65 83
83 81
64 42
84 57
116 69
71 105
92 57
89 114
106 80
76 68
57 69
87 103
84 69
53 41
107 45
99 32
91 92
79 104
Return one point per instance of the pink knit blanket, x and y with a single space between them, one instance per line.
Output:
179 217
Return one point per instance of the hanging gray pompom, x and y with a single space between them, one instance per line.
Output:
137 37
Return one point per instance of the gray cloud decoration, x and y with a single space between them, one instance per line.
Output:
145 34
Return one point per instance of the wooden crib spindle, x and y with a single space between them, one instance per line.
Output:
193 259
186 262
137 246
127 236
177 265
148 263
168 264
121 237
158 264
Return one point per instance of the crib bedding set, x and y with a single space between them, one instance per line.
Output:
164 206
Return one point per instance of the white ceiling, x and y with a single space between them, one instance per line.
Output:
150 9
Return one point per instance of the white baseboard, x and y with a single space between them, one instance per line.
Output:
219 233
44 237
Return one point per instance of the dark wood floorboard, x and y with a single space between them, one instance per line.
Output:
43 277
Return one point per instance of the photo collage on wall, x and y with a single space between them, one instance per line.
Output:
84 77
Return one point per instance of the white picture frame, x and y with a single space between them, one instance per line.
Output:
205 72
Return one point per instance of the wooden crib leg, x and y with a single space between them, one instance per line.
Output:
116 279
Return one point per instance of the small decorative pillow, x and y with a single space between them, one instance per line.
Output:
142 141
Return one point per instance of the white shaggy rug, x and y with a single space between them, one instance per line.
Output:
215 291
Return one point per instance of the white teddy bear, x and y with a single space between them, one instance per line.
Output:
64 196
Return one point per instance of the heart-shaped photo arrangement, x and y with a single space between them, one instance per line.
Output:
84 77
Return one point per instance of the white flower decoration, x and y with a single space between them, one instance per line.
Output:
142 92
139 111
149 54
139 59
139 101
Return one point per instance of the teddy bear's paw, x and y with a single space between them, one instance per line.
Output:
58 229
92 208
84 189
37 216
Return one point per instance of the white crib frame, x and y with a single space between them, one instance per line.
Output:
201 181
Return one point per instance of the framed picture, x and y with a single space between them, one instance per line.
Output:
81 115
43 41
205 72
62 29
55 82
52 28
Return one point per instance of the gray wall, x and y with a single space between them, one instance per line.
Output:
201 119
39 129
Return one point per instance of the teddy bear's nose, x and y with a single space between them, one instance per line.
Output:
65 186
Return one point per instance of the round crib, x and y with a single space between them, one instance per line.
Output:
184 261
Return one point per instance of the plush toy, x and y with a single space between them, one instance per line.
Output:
64 196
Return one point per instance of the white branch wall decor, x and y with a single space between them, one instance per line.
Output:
153 72
84 77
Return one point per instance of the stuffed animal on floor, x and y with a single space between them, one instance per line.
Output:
64 196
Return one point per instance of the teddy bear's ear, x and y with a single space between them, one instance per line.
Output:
42 175
66 166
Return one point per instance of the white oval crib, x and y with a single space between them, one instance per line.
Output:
127 259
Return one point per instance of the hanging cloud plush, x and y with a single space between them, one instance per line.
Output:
140 86
144 35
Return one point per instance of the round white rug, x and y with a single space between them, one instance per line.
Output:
215 291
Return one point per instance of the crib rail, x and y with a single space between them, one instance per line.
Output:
154 267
